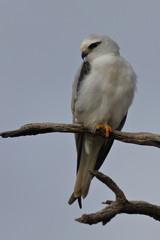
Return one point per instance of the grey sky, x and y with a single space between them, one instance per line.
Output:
39 55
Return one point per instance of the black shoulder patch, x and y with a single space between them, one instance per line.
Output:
86 67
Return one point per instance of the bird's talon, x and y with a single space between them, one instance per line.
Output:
108 130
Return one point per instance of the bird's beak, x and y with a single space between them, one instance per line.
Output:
84 54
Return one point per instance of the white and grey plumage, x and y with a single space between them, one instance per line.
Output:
103 90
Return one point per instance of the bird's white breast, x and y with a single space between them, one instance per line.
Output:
106 92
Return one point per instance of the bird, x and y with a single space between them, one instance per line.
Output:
102 92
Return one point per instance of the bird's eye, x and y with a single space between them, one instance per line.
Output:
94 45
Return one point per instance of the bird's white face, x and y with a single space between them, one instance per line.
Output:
90 48
97 45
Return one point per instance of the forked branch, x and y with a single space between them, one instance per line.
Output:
120 205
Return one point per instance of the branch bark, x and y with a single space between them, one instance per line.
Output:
120 205
141 138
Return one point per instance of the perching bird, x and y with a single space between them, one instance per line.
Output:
103 90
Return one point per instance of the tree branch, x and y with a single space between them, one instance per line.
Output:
141 138
120 205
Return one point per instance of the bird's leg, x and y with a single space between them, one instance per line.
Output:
107 129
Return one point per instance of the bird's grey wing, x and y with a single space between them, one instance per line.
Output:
83 70
79 137
107 146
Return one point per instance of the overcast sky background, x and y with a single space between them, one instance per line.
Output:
39 55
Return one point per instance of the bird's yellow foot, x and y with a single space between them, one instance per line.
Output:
105 128
108 130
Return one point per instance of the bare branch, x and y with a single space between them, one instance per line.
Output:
120 205
141 138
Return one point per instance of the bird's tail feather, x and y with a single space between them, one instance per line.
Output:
87 177
89 154
73 199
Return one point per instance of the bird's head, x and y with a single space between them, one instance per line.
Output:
98 45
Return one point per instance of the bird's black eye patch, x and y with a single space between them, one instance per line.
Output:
93 45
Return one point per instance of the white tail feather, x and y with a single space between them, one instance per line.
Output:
87 163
